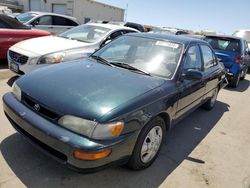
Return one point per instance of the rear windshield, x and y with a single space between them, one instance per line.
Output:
243 34
25 17
226 44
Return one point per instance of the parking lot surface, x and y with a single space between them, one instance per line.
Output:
206 149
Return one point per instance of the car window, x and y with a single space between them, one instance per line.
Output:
224 43
246 46
193 59
128 31
25 17
86 33
44 20
115 35
57 20
208 57
118 53
154 56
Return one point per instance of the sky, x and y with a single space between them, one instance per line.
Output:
223 16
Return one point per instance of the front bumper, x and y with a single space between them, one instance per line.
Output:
60 143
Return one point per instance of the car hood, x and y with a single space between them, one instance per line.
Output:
86 88
49 44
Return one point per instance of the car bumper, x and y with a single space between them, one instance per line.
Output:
61 143
25 67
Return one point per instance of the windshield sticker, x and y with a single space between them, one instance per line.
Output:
167 44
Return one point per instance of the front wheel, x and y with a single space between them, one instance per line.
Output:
209 105
148 144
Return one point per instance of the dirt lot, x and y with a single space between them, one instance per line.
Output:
207 149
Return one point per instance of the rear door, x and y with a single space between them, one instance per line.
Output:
190 91
61 24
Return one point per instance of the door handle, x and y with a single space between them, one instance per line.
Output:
50 27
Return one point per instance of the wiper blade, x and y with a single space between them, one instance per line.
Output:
129 67
101 60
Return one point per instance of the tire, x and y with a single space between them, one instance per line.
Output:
140 159
209 105
235 82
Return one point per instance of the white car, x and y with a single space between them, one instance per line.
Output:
78 42
54 23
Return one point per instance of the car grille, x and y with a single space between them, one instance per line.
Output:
38 108
19 58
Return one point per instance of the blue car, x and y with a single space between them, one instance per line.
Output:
234 53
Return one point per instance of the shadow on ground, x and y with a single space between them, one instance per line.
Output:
12 80
34 169
3 64
243 86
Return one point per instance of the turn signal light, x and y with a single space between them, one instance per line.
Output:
117 129
91 156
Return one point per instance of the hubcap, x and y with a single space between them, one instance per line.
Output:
151 144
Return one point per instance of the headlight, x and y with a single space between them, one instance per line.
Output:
91 129
16 91
52 58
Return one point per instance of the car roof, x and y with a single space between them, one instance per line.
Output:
112 26
224 36
12 23
175 38
53 14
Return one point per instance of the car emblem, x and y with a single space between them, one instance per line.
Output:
16 57
37 107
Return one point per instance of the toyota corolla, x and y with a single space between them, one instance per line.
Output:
115 106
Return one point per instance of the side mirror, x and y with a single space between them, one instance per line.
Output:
193 75
105 42
34 23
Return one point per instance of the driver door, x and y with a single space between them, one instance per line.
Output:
190 91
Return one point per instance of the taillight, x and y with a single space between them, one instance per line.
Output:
238 59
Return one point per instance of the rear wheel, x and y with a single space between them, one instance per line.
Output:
148 144
209 105
235 82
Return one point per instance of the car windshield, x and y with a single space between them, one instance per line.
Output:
243 34
152 56
25 17
224 43
86 33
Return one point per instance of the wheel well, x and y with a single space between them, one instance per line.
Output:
166 119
